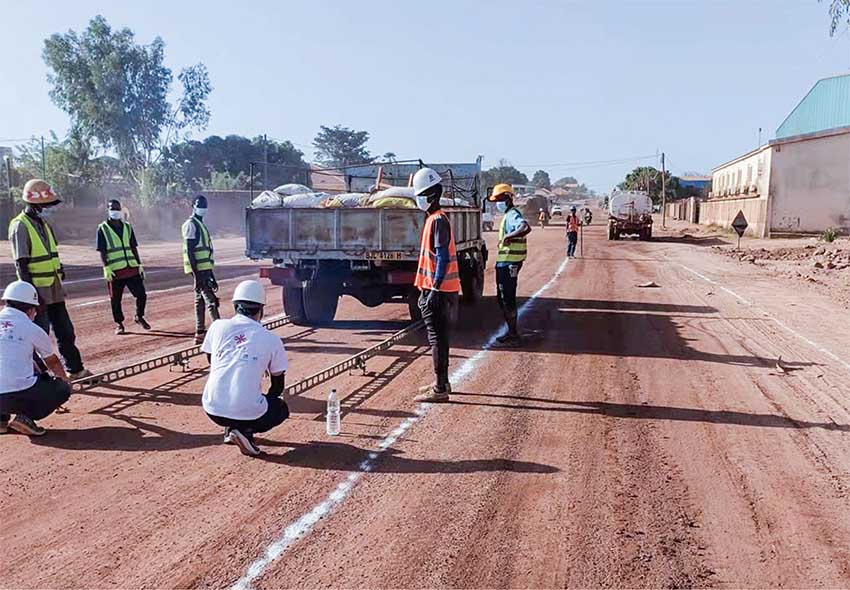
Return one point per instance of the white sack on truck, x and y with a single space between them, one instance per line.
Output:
305 201
267 200
292 188
347 200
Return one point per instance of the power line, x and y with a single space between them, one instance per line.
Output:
590 164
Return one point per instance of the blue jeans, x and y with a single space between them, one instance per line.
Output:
572 240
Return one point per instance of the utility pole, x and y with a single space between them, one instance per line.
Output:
43 161
759 145
663 193
265 162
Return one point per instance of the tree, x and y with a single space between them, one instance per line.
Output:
340 146
504 172
541 179
839 10
647 178
565 181
389 158
116 92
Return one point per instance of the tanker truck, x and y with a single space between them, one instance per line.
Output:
629 213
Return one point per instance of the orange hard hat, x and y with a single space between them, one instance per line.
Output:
38 192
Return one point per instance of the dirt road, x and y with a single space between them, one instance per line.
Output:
649 439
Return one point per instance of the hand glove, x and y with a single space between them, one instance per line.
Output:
212 284
141 271
62 272
109 274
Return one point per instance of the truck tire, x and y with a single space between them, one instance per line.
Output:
472 282
649 233
320 301
413 304
610 232
293 304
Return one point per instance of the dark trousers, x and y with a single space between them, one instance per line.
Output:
507 278
56 316
205 297
37 402
136 285
436 313
572 240
276 413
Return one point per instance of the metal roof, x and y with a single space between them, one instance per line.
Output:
826 106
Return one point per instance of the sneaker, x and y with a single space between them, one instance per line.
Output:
228 436
119 330
245 444
81 374
142 322
432 396
433 386
4 424
509 339
26 425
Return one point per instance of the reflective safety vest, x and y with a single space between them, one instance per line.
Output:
203 249
43 264
516 251
119 255
572 223
428 259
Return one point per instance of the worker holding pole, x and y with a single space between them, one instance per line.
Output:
437 279
572 232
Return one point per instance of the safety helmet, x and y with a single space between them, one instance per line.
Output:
200 202
22 292
424 179
573 209
38 192
541 210
501 192
249 292
113 205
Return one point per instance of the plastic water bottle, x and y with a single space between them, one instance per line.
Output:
332 417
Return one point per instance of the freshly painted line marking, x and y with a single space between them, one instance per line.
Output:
779 322
302 526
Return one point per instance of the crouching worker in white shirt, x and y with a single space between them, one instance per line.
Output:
241 351
29 394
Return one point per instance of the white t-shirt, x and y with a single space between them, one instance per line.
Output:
190 232
19 338
241 351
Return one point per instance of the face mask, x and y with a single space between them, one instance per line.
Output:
501 206
116 215
422 203
200 211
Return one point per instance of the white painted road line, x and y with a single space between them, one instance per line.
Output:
301 527
779 322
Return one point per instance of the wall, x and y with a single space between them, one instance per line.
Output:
684 210
810 183
742 184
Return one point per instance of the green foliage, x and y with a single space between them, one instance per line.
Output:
829 235
224 181
541 179
839 11
647 178
341 146
504 172
190 164
566 180
116 93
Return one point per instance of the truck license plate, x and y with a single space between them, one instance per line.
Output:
384 255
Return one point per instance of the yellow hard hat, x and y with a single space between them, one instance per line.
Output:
38 192
500 190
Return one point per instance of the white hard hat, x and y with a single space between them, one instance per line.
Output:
424 179
22 292
251 291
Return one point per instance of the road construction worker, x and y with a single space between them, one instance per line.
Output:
240 351
437 279
36 256
198 261
572 232
122 265
29 394
541 217
513 250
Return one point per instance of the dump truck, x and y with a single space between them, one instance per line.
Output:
629 213
321 254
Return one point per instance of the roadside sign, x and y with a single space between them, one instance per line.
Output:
739 224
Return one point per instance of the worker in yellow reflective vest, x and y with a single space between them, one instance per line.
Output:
122 266
513 249
36 256
198 261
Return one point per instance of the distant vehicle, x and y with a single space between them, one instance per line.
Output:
557 211
629 213
488 222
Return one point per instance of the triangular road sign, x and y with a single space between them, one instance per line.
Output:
739 224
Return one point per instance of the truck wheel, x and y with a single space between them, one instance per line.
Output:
413 304
472 282
320 302
649 233
293 304
610 232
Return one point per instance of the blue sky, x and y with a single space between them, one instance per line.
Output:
541 84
